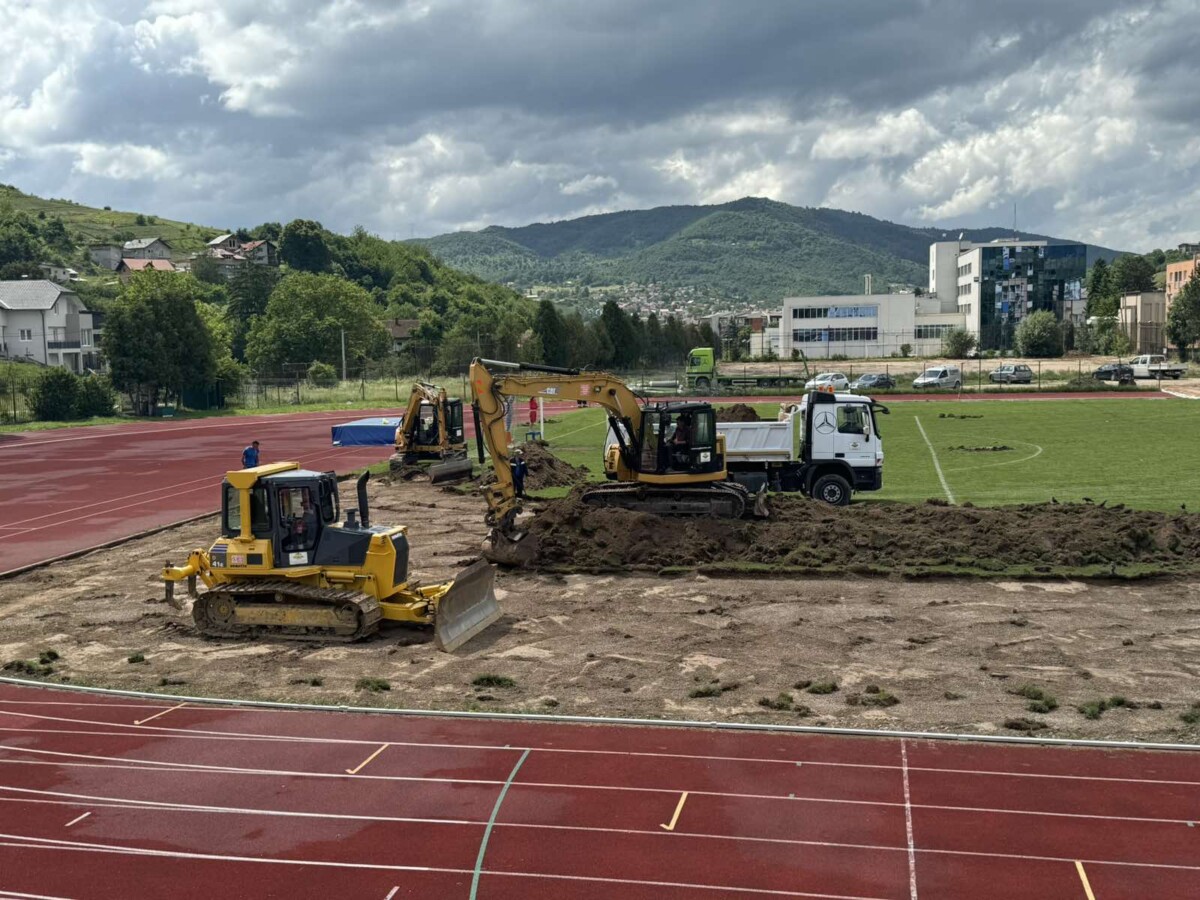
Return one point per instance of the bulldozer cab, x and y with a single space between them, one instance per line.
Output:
679 438
291 510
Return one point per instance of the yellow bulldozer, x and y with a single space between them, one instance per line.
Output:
430 435
286 567
668 459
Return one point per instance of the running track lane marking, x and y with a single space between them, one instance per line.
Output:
908 826
156 715
392 893
487 832
678 810
357 768
78 819
936 465
1087 888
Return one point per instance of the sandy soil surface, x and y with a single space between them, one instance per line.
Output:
948 655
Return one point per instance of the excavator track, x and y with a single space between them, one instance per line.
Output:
717 499
284 610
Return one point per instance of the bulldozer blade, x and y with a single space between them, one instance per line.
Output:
467 608
451 470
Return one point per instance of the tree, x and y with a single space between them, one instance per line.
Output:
654 352
956 343
304 321
621 336
249 291
205 268
155 340
302 246
581 343
1183 319
1099 289
550 327
1132 273
1039 335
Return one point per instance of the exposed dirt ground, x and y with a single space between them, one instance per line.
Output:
738 412
951 652
545 469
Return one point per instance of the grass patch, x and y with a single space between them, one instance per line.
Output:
714 688
167 681
1039 700
316 681
28 667
822 687
136 658
372 685
493 681
1023 724
1094 709
873 695
780 703
1192 715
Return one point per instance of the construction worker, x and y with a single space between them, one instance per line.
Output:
250 456
533 410
520 469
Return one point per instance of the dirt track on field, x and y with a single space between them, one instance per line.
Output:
952 652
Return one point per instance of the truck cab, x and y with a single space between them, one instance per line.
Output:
701 368
840 448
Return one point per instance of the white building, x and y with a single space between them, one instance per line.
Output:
862 326
44 322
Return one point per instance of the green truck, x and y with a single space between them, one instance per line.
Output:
702 375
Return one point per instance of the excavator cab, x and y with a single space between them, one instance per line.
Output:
431 431
291 510
680 438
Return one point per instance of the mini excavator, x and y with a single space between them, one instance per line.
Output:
432 431
668 459
284 567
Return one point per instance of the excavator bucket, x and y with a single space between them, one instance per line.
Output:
517 550
467 608
451 470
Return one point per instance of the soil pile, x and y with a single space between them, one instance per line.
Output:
803 536
545 469
739 412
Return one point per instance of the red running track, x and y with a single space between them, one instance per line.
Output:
67 490
107 797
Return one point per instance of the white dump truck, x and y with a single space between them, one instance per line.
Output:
1154 365
826 445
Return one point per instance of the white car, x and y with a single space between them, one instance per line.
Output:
828 380
939 377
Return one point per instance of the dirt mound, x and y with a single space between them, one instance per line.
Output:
989 448
739 412
545 469
805 536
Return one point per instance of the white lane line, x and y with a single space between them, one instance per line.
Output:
157 714
908 825
190 768
392 893
936 465
17 895
26 843
77 820
1008 462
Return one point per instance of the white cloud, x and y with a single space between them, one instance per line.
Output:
123 162
588 184
891 134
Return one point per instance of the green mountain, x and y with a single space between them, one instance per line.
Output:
752 249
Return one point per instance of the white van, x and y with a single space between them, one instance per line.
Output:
939 377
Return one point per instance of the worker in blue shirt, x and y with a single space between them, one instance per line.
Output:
519 469
250 456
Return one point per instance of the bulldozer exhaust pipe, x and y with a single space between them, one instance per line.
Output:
364 512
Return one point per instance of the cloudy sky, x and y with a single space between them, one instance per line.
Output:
415 117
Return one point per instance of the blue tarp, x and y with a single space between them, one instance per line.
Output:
366 433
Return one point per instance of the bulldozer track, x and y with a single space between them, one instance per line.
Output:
357 615
718 499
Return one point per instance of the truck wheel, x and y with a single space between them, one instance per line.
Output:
832 489
702 384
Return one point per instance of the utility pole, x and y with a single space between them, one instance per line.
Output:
343 354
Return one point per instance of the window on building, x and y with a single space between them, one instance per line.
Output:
835 312
26 334
929 332
85 337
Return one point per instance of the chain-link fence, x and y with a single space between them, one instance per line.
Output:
16 384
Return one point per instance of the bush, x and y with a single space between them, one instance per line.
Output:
957 343
1039 335
322 375
231 375
96 397
906 350
55 396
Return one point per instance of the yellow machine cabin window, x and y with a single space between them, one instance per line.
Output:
298 517
260 524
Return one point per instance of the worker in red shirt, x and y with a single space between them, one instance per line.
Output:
533 409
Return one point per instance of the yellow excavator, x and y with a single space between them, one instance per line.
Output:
668 459
432 431
285 567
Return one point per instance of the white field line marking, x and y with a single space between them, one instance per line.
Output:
1008 462
678 810
797 842
17 895
908 824
157 714
1181 396
559 437
392 893
176 768
936 465
167 731
491 823
25 843
77 820
1087 887
358 768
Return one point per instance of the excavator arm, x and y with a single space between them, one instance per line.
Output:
493 382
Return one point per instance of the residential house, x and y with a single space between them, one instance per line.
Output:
402 330
224 242
107 256
231 254
127 267
261 253
1189 248
60 274
146 248
1178 274
46 323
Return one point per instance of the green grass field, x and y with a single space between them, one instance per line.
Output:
1138 452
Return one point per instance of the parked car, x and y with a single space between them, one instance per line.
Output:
1156 366
939 376
834 381
874 382
1012 374
1118 372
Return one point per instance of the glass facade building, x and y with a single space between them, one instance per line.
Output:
1014 280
